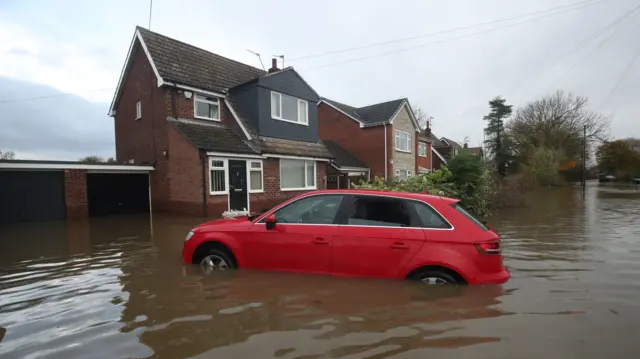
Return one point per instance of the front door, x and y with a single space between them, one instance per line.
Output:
376 237
238 185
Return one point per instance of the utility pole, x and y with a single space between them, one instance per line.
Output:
583 181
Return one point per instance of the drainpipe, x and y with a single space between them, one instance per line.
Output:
386 164
430 157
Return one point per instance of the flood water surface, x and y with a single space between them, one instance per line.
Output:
113 288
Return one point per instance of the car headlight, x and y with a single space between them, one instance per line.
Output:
189 235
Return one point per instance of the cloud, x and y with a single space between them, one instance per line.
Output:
79 48
57 128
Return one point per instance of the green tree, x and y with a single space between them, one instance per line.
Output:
495 142
92 160
8 155
618 158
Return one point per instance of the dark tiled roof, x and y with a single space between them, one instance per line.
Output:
279 146
212 136
351 111
452 143
185 64
380 112
373 114
342 157
242 117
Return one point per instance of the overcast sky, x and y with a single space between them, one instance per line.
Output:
50 48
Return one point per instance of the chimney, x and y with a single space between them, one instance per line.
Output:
427 130
274 65
466 145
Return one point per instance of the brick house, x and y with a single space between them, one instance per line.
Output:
445 148
220 134
382 138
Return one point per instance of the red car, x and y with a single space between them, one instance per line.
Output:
360 233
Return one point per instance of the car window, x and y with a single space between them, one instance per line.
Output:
310 210
378 211
429 217
473 219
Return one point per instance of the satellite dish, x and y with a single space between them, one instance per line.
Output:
187 94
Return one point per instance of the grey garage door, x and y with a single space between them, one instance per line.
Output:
31 196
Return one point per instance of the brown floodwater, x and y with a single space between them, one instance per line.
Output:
116 288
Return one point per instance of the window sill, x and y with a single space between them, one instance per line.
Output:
206 118
260 191
298 189
289 121
403 151
425 156
218 193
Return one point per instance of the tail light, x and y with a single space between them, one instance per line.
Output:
488 248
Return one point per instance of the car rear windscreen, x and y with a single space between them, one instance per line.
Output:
473 219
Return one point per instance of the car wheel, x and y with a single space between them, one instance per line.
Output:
434 277
216 260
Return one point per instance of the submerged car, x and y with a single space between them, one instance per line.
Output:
361 233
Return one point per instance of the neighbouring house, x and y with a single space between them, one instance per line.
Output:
221 135
445 149
376 140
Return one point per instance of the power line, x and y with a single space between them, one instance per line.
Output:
596 48
624 74
449 39
568 53
579 5
52 96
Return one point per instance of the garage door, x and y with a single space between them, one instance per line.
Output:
31 196
117 193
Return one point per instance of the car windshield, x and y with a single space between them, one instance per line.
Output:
473 219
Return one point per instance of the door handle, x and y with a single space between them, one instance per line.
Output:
399 245
321 241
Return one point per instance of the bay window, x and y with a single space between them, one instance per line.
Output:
403 141
297 174
290 109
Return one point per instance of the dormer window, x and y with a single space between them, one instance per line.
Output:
206 108
289 109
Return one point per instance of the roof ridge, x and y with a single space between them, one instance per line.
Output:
138 28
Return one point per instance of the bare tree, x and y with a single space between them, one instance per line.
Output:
8 155
556 122
421 117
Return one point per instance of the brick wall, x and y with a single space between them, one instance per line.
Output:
369 146
75 193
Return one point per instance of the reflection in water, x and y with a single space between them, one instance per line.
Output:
108 288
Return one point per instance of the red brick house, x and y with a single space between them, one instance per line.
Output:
377 140
221 135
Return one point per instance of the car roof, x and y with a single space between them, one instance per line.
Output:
410 195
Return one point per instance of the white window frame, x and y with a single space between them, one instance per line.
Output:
203 100
251 169
422 149
138 110
315 175
409 173
225 169
398 135
279 116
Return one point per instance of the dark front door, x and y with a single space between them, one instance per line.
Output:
238 185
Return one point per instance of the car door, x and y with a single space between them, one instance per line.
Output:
301 239
377 236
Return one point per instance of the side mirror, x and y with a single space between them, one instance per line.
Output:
270 221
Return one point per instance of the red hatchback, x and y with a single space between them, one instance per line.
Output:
356 233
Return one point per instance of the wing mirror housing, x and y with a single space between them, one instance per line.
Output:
270 221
